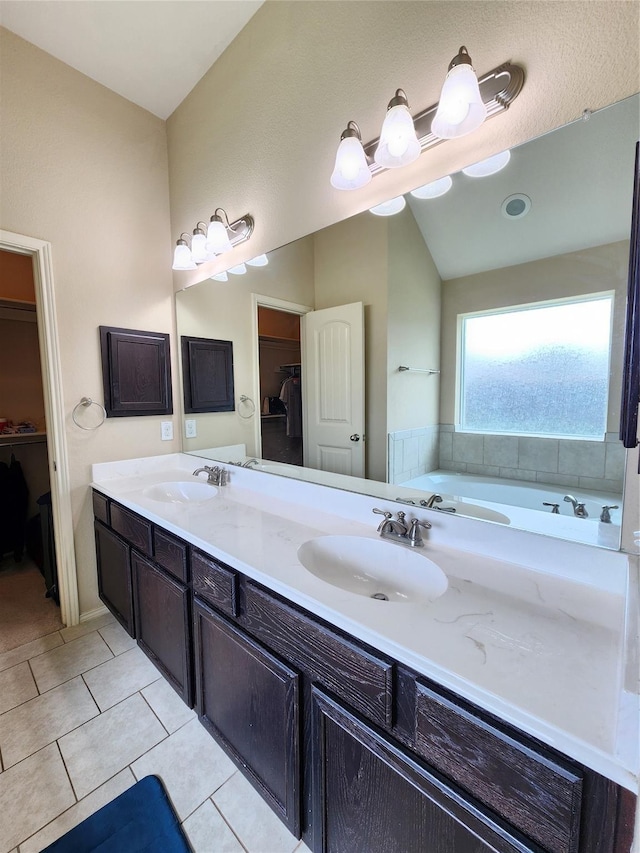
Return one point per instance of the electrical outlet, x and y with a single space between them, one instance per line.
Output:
166 430
190 428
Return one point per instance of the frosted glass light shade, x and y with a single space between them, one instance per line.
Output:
198 248
389 208
435 189
259 261
182 259
398 145
461 108
489 166
351 170
217 238
221 276
239 269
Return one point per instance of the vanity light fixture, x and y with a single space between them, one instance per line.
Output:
435 189
208 241
238 269
389 208
221 276
259 261
398 144
182 259
465 103
490 166
351 170
461 108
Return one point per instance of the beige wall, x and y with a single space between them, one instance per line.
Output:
574 274
86 170
351 265
223 310
413 327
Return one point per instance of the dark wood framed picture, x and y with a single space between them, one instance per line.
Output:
136 372
207 375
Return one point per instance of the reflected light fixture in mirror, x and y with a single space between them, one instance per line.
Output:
398 145
221 276
258 261
473 101
389 208
490 166
238 269
435 189
461 109
209 241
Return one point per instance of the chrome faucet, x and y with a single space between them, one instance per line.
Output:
216 476
579 509
431 503
397 529
249 463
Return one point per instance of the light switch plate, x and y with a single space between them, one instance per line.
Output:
190 428
166 430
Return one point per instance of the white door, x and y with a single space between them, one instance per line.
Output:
333 388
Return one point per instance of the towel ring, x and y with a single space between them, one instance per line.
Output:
244 399
86 402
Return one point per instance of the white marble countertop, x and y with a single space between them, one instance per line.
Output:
538 632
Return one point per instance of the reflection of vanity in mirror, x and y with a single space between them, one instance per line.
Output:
548 231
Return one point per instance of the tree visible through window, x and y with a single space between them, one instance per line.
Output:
538 369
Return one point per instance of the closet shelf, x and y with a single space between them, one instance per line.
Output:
22 438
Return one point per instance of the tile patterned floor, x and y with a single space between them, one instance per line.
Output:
83 716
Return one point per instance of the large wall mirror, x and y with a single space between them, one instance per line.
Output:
505 297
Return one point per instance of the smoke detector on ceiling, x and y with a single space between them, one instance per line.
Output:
516 206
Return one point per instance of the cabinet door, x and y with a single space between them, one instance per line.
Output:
162 620
114 575
248 700
370 796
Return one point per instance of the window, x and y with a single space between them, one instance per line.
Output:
539 369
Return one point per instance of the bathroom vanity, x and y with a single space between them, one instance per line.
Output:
499 716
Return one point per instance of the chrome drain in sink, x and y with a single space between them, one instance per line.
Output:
380 596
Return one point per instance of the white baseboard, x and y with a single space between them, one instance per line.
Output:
92 614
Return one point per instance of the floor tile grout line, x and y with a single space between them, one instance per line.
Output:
222 815
82 672
28 644
144 699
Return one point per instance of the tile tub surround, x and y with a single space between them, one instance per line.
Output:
572 463
44 795
412 452
530 629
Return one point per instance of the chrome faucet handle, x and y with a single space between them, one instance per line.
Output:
556 507
384 512
580 510
605 515
414 536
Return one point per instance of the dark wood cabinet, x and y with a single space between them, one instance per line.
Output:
162 616
371 796
249 700
114 575
351 749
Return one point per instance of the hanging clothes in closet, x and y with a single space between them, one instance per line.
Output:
291 396
14 504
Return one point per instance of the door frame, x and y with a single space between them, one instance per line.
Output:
50 364
257 300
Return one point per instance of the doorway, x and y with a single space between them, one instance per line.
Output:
56 507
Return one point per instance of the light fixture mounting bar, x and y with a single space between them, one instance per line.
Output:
240 230
499 88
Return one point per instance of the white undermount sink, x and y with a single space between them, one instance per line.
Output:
180 492
374 568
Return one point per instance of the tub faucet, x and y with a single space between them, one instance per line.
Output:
605 515
579 509
431 502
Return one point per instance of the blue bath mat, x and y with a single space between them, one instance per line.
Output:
141 820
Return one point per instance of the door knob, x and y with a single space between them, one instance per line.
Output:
354 437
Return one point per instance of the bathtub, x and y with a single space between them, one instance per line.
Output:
522 502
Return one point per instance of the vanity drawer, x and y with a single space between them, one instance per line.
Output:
358 677
101 507
215 583
171 553
132 528
537 792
